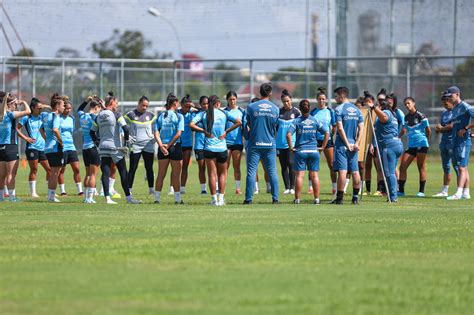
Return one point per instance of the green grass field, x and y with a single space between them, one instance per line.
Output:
415 257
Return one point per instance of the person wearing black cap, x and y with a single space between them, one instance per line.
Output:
461 123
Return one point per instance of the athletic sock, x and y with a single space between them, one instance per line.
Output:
182 189
32 187
177 196
62 187
217 186
401 186
367 185
340 195
220 198
355 193
269 186
445 189
157 195
346 184
214 198
237 184
51 194
12 192
422 186
90 194
86 193
79 187
459 191
111 185
465 192
151 190
310 184
334 186
203 187
256 188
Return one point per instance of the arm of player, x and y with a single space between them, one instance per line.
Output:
26 111
289 140
22 135
237 124
360 131
325 141
342 134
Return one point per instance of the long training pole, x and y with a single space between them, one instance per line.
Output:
366 151
379 157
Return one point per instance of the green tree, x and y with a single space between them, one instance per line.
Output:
25 52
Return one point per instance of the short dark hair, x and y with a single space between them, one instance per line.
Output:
143 98
342 90
266 89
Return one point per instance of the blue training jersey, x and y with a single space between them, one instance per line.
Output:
33 126
187 134
387 133
446 137
86 120
400 119
221 118
306 130
350 117
8 129
462 114
67 132
235 136
415 125
262 118
327 117
285 120
50 122
168 124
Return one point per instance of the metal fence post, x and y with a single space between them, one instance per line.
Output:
175 78
408 78
122 80
4 68
251 79
329 75
101 83
63 74
33 80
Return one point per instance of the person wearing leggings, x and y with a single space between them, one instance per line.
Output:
288 113
107 126
140 124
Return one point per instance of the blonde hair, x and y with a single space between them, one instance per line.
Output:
3 106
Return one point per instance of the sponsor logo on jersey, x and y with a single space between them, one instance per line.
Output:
264 106
264 144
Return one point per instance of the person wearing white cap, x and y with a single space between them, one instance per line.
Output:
461 123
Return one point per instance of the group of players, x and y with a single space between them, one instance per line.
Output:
219 135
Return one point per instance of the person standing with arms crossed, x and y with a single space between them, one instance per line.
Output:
262 120
350 126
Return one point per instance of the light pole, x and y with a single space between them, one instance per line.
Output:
155 12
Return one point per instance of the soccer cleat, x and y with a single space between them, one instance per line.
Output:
377 193
116 195
171 191
214 203
247 202
110 202
269 190
179 202
296 201
203 192
337 202
88 201
14 199
454 197
420 194
441 194
157 202
182 192
238 192
256 192
400 194
221 203
286 192
316 202
467 197
275 202
134 201
35 195
366 193
355 201
81 193
54 200
292 191
63 194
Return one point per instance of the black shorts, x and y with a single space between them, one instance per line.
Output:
186 148
70 157
330 143
199 154
91 156
233 147
55 159
414 151
175 153
9 152
33 155
221 157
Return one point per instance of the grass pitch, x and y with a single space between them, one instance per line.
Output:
415 257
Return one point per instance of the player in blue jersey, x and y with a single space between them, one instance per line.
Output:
288 113
34 139
53 146
215 122
417 128
9 113
446 144
325 114
90 153
306 148
262 121
234 139
389 144
461 124
199 139
188 112
168 129
141 123
350 126
67 127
